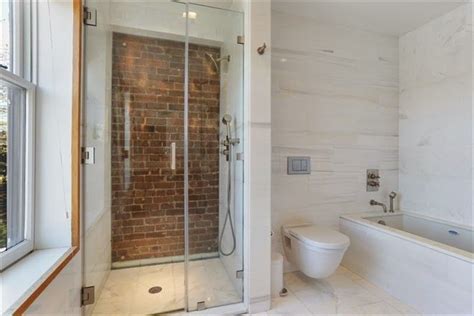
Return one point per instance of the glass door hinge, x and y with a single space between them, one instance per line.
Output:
87 295
239 274
90 16
88 155
240 40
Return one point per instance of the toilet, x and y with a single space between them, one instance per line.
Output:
315 250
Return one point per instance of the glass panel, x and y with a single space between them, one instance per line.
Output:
134 210
134 196
215 141
12 165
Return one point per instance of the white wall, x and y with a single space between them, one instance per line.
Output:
335 99
53 155
436 118
53 126
258 214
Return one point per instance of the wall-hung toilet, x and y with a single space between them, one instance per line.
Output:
315 250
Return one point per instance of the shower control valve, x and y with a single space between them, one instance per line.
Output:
234 141
225 152
373 180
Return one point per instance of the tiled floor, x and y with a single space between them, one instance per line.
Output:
126 290
342 293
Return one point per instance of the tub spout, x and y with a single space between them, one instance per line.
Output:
373 202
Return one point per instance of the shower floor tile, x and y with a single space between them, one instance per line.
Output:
126 291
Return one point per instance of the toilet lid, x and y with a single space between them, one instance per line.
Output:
320 237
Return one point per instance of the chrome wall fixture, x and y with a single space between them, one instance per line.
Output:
228 143
373 180
392 196
261 49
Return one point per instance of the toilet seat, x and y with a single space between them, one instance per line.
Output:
320 237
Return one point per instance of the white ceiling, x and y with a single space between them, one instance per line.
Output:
387 17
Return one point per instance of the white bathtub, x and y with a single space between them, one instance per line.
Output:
426 263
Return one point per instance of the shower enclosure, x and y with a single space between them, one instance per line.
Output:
163 138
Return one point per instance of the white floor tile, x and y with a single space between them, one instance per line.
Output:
126 290
343 293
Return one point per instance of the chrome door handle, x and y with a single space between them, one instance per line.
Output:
173 156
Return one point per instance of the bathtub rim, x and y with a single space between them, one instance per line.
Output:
358 218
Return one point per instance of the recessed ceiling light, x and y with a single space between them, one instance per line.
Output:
192 15
283 60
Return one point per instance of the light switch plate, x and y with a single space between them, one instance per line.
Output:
299 165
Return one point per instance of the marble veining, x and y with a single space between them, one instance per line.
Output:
335 99
341 294
126 290
436 118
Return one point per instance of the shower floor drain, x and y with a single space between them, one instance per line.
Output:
155 290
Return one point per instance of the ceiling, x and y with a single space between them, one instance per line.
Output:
383 16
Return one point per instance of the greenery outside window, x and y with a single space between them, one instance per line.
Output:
17 95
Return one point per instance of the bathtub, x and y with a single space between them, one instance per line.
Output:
426 263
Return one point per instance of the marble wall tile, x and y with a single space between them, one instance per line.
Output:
436 118
335 99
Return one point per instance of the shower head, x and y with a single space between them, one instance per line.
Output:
226 119
218 60
213 61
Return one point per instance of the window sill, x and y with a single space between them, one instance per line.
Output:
19 281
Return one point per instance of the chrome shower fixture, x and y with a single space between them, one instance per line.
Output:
392 196
228 143
228 140
217 61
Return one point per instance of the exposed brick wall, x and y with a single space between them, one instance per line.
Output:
147 207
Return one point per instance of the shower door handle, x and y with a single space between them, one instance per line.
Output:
173 156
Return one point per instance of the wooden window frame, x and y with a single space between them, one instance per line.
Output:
75 160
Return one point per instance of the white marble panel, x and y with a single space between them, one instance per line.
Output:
436 118
335 99
443 283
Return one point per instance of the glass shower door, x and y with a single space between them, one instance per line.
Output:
215 145
133 126
163 121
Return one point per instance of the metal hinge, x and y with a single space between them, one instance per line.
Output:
90 16
241 39
239 156
88 155
87 295
239 274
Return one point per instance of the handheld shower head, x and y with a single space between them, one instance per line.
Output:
226 119
392 196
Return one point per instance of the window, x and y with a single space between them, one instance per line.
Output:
16 132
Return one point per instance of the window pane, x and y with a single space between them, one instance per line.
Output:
12 165
5 35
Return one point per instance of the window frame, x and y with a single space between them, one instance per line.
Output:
18 251
21 74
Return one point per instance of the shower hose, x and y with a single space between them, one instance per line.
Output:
228 216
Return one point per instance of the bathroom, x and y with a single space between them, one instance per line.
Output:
231 157
377 106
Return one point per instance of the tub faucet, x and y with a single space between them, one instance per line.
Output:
392 196
374 202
